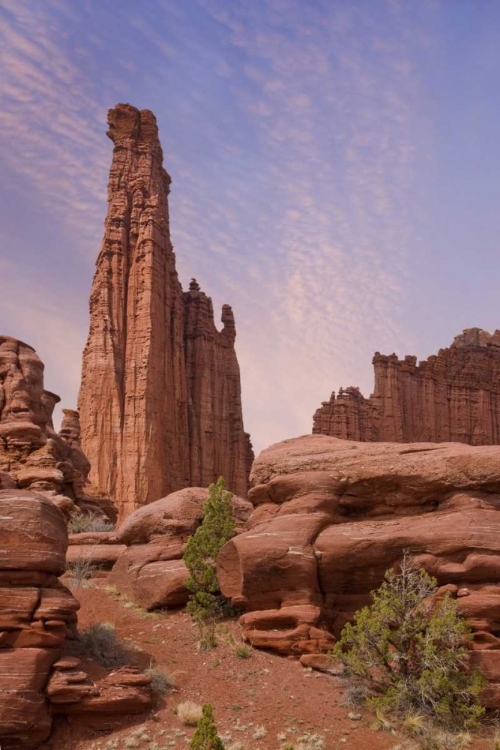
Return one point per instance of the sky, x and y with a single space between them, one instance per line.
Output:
335 166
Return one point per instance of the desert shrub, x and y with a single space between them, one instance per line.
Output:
355 694
80 572
206 737
80 522
259 733
161 682
189 713
243 651
100 643
306 742
413 651
205 602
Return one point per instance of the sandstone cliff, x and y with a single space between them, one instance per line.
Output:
32 455
160 399
454 396
331 516
37 613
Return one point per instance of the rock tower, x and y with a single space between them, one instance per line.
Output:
451 397
32 455
160 399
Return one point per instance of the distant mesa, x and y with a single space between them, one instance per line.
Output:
453 396
160 398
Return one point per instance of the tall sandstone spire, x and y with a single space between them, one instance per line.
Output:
453 396
160 398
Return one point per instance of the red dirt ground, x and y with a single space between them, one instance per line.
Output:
263 690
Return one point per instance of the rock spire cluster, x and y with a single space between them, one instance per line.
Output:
451 397
160 399
32 455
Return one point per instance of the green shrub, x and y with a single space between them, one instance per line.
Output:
201 553
206 737
413 651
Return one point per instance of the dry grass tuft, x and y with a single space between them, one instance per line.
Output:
161 682
100 643
308 741
189 713
259 733
80 522
81 572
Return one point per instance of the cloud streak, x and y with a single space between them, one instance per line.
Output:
293 132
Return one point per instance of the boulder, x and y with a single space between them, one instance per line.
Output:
36 613
331 516
151 571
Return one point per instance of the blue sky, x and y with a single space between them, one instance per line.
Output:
335 172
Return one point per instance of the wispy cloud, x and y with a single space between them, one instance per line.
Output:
293 133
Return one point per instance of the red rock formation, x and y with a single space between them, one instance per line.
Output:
36 614
32 455
331 516
160 399
151 571
454 396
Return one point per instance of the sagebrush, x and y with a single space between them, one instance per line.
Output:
101 643
411 647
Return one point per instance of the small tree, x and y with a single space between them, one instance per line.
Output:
201 554
413 650
206 737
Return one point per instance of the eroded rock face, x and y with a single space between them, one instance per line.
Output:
331 516
451 397
32 455
160 400
37 612
151 572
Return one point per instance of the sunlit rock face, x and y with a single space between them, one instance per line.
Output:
151 570
331 516
32 455
160 399
38 614
451 397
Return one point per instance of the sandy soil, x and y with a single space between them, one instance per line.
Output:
261 702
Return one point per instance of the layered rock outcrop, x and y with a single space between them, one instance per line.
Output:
32 455
160 399
331 516
451 397
36 615
151 572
